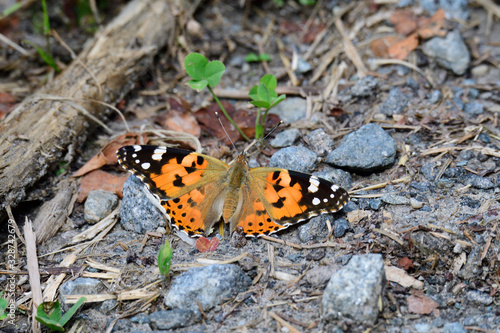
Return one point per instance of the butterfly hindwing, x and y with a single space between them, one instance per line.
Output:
291 196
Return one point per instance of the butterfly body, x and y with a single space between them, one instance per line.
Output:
197 190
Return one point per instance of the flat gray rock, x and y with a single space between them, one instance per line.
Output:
366 150
294 158
98 205
449 52
353 292
285 138
171 319
79 286
291 109
137 213
209 285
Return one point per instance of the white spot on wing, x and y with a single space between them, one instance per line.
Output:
137 161
316 201
332 195
314 183
145 165
157 157
134 155
325 200
334 188
137 148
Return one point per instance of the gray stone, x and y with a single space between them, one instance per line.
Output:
285 138
138 213
336 176
364 87
435 96
395 103
209 285
319 276
394 199
172 319
341 226
457 9
366 150
472 267
320 142
295 158
315 229
454 328
98 205
79 286
108 305
429 171
302 66
477 181
474 108
354 291
291 109
375 203
141 318
449 52
479 297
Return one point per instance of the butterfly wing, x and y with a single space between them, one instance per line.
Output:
290 197
170 172
190 186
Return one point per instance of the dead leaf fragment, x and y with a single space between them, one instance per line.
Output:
404 21
402 278
357 215
380 47
180 122
100 180
107 155
405 263
421 304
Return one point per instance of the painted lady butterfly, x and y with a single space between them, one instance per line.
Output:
196 190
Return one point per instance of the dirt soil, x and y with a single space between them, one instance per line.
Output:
444 233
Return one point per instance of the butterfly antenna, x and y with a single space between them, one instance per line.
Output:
261 140
271 131
220 121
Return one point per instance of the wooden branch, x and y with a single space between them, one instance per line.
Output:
57 119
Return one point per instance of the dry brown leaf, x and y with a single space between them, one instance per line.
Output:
402 49
107 155
380 47
405 263
100 180
402 278
421 304
357 215
427 28
245 119
180 122
433 26
404 21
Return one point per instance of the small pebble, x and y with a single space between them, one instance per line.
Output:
416 204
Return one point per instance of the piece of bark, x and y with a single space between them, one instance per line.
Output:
40 131
53 213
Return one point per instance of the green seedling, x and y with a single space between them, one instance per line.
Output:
3 307
53 318
307 2
44 28
264 97
252 57
165 258
207 74
45 56
12 9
